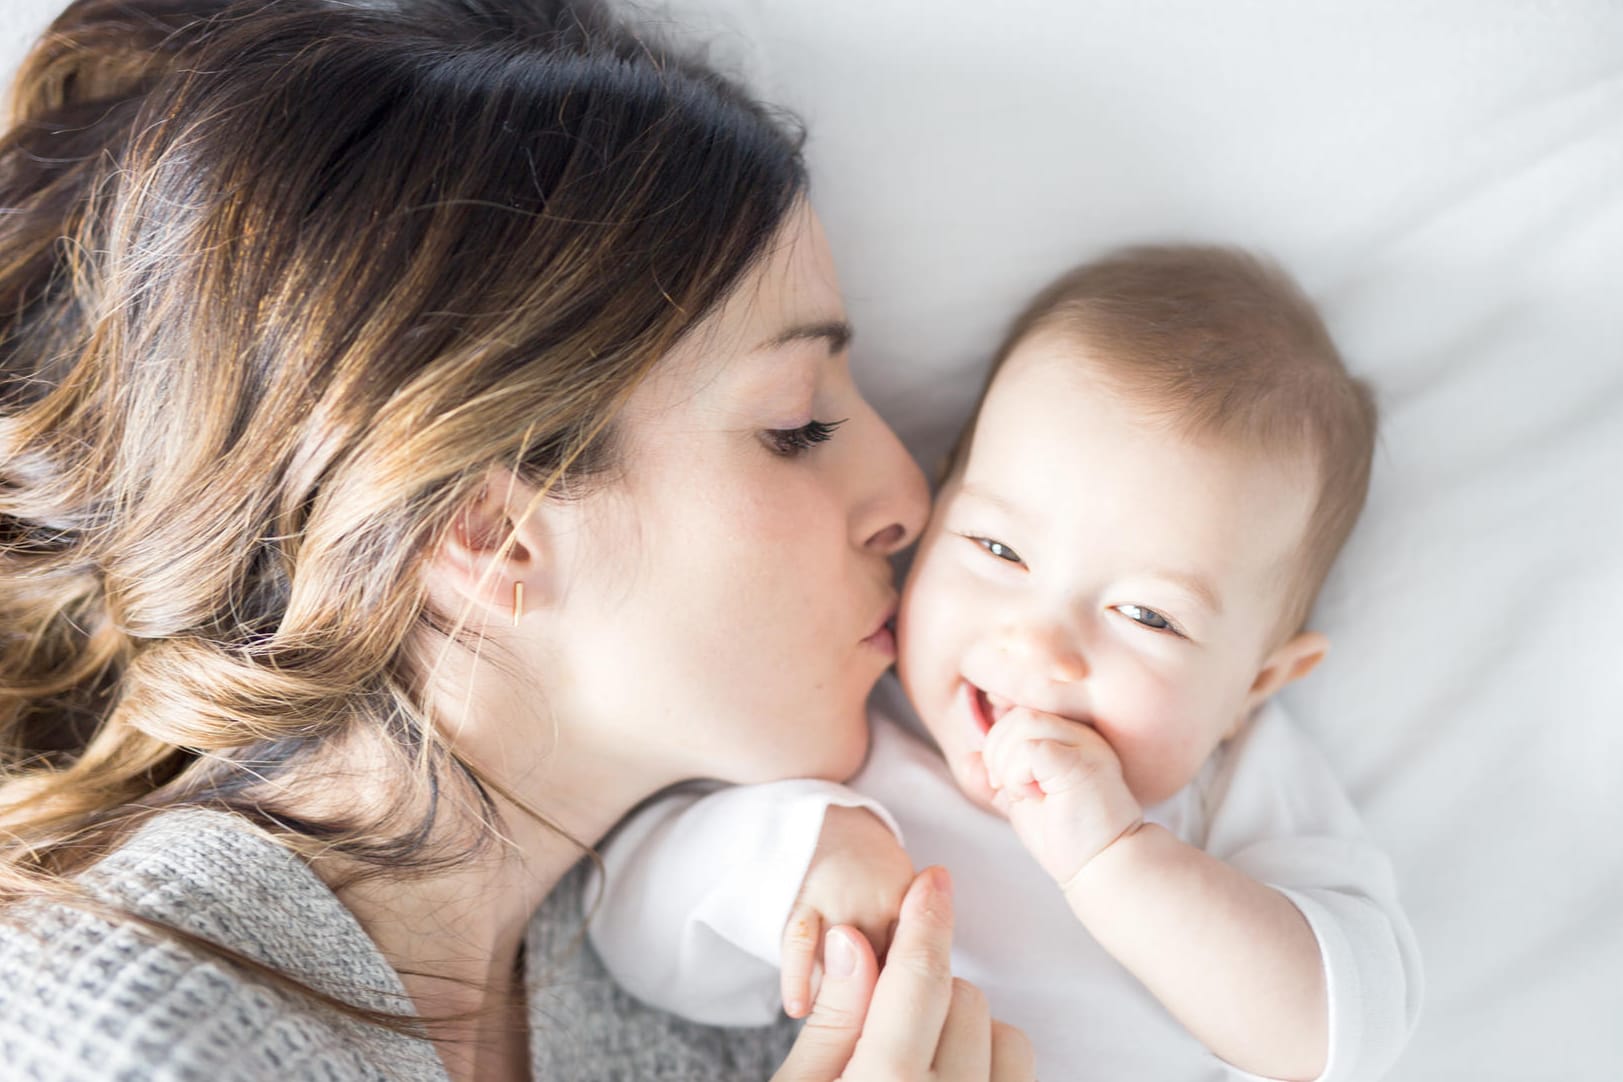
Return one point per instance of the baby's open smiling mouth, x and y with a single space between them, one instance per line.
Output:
987 707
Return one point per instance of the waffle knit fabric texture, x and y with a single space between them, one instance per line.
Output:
86 998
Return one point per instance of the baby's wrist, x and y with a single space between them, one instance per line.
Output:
1099 868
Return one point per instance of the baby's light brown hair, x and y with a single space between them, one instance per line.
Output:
1226 347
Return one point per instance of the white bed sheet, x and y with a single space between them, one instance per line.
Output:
1446 178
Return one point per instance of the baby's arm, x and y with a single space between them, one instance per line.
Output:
1232 959
857 876
698 892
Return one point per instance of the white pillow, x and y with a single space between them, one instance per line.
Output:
1446 178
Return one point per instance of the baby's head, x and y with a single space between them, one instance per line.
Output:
1166 459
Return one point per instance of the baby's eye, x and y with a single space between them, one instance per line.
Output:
999 549
1148 617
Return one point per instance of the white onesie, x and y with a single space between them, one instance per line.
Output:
699 887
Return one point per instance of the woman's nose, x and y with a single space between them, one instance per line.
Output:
896 502
892 538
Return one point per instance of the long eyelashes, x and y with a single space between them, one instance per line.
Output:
790 442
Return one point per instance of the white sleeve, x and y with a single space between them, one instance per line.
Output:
698 888
1280 816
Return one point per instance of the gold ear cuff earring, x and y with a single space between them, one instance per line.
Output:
518 601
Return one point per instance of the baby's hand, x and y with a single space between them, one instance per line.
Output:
1061 786
858 875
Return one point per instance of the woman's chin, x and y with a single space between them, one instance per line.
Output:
828 760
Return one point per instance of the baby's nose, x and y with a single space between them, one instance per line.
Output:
1047 653
1067 668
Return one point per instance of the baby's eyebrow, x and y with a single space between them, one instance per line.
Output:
1193 585
1000 503
836 332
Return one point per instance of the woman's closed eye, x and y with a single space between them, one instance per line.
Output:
1148 618
998 549
793 442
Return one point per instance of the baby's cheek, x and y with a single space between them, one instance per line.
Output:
930 625
922 662
1132 707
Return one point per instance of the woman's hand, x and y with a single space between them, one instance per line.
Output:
911 1022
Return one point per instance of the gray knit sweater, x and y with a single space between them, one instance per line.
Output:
82 998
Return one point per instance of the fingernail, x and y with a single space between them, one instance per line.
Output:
932 895
839 957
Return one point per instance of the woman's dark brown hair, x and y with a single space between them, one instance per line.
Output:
280 280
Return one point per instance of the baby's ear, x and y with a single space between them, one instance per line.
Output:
1291 660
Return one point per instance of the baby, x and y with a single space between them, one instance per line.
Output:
1157 876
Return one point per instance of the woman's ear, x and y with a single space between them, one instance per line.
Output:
1291 660
493 558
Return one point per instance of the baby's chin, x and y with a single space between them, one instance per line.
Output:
969 771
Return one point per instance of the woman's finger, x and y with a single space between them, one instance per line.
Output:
1012 1057
914 992
831 1033
965 1051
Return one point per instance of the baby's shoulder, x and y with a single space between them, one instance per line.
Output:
1269 750
1272 784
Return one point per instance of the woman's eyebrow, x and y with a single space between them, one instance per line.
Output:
836 332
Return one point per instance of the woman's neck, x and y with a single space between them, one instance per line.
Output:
455 935
456 939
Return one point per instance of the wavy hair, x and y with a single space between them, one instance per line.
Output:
280 280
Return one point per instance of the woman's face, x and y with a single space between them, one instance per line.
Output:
722 602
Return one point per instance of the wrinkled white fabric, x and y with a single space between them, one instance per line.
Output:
699 888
